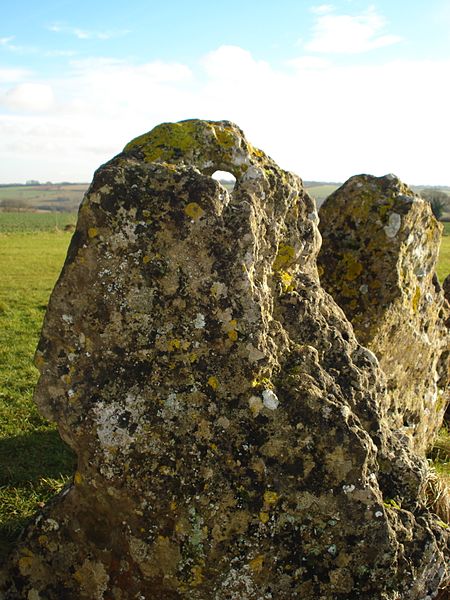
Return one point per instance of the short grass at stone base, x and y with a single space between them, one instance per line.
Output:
443 267
34 462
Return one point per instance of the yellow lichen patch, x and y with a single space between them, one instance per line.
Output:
39 361
284 258
262 382
78 478
353 268
146 259
78 576
197 576
256 563
416 299
348 291
164 140
25 565
92 232
173 345
264 517
229 327
173 505
213 382
256 151
270 497
194 210
165 470
233 335
225 137
286 281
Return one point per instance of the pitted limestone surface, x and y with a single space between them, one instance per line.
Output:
229 427
378 259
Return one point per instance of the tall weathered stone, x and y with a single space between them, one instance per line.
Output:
378 258
228 425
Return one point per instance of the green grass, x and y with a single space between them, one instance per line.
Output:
34 463
21 222
441 454
443 267
320 192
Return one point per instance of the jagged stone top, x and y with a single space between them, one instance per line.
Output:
208 145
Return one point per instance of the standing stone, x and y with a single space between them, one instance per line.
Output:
229 427
378 259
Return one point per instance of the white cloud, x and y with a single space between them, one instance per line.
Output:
322 9
11 75
155 71
346 34
6 41
85 34
232 62
63 53
317 119
29 97
309 62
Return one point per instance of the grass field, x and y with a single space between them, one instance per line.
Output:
65 197
34 463
443 267
320 192
27 222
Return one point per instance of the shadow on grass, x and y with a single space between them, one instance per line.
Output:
34 467
33 456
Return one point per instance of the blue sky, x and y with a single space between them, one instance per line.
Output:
327 89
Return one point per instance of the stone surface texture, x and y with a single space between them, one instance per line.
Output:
229 427
378 257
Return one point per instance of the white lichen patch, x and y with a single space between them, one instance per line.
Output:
50 525
364 289
393 226
348 489
172 403
199 322
114 421
270 399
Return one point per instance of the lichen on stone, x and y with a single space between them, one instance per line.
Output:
378 259
229 427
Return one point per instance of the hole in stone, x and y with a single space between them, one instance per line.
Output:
228 180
